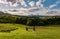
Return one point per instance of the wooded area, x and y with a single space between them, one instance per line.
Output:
30 21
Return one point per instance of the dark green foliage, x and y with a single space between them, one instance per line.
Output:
52 21
21 20
30 20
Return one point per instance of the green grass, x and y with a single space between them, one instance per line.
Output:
48 32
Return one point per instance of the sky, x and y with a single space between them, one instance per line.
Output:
15 4
29 4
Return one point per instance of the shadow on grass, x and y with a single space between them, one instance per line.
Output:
7 29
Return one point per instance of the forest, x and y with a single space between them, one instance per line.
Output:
30 21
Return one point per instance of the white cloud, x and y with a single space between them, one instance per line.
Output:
55 4
3 1
23 3
39 4
8 2
43 0
40 1
13 5
32 3
19 0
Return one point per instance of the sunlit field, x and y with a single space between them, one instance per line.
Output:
18 31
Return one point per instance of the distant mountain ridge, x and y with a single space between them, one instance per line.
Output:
2 13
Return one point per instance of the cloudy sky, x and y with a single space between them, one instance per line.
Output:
15 4
29 4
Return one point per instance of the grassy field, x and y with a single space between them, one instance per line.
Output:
48 32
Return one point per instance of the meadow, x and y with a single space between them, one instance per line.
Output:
18 31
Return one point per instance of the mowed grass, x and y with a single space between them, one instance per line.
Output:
48 32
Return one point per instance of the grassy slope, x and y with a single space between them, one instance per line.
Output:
42 33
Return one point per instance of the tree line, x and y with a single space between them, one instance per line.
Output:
30 21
